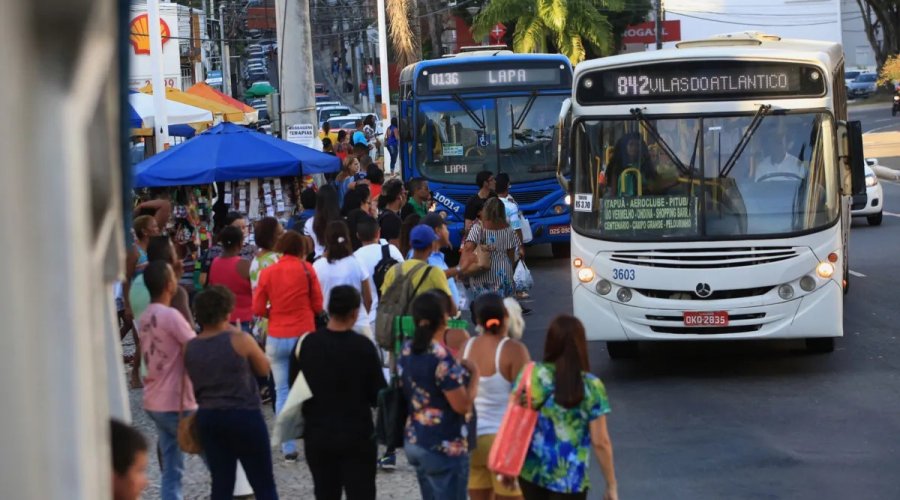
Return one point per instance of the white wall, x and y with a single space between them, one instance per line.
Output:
857 50
805 19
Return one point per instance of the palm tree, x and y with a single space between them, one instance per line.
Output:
402 14
568 25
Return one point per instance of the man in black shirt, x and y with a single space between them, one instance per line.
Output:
485 182
344 374
391 202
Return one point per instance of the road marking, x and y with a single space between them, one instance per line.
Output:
879 128
892 214
858 275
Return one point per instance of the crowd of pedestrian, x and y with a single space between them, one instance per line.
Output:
361 259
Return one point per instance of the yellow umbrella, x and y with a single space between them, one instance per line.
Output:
218 109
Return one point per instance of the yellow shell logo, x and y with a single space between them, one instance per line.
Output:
140 33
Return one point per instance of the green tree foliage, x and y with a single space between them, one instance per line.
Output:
568 26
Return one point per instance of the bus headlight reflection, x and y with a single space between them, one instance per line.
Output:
624 295
825 270
603 287
585 275
807 283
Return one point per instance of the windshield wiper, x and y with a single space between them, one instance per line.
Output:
517 124
478 121
639 115
745 139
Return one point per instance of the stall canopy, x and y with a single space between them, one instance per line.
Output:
218 109
178 113
229 152
205 91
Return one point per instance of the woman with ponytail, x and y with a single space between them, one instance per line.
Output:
438 398
499 359
571 421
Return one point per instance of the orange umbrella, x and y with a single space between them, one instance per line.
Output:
205 91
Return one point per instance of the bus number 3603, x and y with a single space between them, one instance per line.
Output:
623 274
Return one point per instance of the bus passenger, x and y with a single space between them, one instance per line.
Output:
630 153
774 160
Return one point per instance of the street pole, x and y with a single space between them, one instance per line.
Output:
224 54
383 63
354 67
295 64
658 24
160 115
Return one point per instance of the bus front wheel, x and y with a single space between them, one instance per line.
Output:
561 250
622 349
820 345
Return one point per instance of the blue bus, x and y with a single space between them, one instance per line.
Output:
488 110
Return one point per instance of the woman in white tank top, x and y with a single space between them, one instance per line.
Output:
499 360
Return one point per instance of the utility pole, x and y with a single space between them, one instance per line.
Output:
295 64
160 115
354 67
658 24
224 53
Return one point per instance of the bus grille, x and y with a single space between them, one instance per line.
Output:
705 258
677 326
716 295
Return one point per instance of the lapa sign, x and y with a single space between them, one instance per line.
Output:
646 32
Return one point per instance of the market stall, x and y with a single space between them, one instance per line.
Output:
221 111
203 90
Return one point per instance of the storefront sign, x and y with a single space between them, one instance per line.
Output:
646 32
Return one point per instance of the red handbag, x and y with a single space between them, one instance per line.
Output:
514 437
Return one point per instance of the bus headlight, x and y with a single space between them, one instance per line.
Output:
585 275
786 292
825 270
871 180
624 295
568 199
807 283
559 209
603 287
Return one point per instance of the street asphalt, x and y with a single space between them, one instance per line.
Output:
759 419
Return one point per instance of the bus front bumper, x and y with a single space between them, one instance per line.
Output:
817 314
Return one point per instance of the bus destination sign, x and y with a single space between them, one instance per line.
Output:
443 80
700 80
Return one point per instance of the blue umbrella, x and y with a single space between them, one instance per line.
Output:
229 152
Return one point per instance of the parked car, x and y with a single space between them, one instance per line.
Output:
863 86
874 208
331 111
851 75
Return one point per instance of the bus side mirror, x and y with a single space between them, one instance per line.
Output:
852 158
562 148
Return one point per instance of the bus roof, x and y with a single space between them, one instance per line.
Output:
741 45
411 72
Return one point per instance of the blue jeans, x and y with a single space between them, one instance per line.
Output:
394 150
279 352
172 459
441 477
230 435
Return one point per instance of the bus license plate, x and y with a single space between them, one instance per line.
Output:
559 229
706 318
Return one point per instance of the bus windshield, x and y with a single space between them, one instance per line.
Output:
458 138
704 177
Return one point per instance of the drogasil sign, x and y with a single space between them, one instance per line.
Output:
140 33
646 32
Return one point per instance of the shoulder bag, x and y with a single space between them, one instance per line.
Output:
321 317
478 260
513 440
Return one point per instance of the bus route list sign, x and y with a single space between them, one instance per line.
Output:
648 213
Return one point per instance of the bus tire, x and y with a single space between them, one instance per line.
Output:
622 349
820 345
561 250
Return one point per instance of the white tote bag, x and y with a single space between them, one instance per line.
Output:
289 423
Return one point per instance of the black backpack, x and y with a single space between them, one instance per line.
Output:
383 266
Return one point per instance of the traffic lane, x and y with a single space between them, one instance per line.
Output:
875 119
752 419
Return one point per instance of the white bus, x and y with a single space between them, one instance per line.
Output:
711 192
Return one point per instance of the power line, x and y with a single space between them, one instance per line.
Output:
749 24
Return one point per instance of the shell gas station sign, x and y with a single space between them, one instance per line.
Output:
139 38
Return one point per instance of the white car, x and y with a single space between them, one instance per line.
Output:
874 198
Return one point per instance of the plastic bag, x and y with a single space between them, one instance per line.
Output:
522 277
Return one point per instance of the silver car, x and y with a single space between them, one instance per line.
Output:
863 86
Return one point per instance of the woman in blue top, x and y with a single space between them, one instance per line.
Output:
392 141
571 422
438 399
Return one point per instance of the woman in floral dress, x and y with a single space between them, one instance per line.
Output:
572 407
440 392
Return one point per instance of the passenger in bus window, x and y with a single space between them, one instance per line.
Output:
631 170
